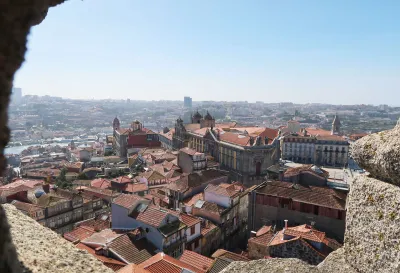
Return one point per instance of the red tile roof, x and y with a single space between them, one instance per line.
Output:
189 220
223 189
101 183
121 180
263 230
27 207
109 262
137 187
152 216
131 251
192 200
97 224
317 131
188 151
101 238
305 232
127 200
194 180
230 255
320 196
207 228
199 261
263 239
79 233
166 264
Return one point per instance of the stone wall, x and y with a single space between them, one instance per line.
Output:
42 250
296 249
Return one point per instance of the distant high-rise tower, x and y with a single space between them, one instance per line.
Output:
187 102
335 126
16 95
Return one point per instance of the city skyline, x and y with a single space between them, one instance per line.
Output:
331 52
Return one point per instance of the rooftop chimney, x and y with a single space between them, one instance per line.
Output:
286 221
253 234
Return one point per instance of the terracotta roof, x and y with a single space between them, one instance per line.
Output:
317 131
78 234
321 196
188 151
263 230
226 125
101 183
109 262
100 192
201 132
234 138
219 265
137 187
307 168
131 251
189 220
192 200
192 126
124 131
101 238
263 237
206 228
305 232
229 255
27 207
98 224
210 207
121 180
223 189
194 180
199 261
166 264
127 201
152 216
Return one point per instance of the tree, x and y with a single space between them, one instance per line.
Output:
61 180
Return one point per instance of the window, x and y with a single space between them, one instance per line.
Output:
192 230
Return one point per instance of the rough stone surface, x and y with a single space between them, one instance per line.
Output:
16 19
42 250
271 265
335 263
372 239
379 154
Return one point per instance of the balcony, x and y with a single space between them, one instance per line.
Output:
171 246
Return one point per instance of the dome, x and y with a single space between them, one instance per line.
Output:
39 193
197 115
208 116
116 120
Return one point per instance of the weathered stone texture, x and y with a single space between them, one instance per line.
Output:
379 154
372 239
296 249
42 250
271 265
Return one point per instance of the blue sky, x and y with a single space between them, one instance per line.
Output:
339 51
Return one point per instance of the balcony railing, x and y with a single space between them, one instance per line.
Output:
168 247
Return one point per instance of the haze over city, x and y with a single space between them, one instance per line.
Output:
337 52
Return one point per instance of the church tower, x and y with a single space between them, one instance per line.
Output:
335 126
116 124
197 117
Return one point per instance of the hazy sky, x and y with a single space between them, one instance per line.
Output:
339 51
